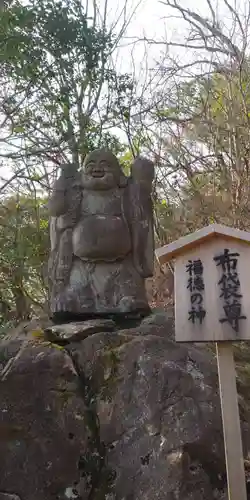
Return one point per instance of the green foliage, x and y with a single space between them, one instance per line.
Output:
24 251
61 87
60 97
206 170
48 35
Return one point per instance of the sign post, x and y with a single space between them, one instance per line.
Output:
231 422
212 304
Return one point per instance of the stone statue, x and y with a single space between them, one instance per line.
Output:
102 243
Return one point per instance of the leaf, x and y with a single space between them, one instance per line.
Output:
35 177
44 224
56 346
18 129
38 334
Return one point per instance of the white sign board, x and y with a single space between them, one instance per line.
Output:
212 292
212 284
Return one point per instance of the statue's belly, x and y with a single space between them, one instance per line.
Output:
101 237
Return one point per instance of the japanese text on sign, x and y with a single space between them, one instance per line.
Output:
229 284
196 286
230 288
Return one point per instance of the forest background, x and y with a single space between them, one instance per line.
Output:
169 80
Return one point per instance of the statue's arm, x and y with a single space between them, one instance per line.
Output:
59 201
143 172
57 204
142 176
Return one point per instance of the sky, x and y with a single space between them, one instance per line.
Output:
154 20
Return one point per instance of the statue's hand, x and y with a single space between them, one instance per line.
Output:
142 171
59 201
69 171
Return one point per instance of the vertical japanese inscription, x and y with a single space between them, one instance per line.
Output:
230 288
196 286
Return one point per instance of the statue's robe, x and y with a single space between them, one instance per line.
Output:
87 282
64 212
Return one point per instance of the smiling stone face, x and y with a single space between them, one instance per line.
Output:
101 171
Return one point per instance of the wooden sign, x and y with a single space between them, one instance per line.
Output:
212 284
212 304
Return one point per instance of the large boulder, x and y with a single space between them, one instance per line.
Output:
93 412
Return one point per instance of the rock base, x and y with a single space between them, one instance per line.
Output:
93 412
